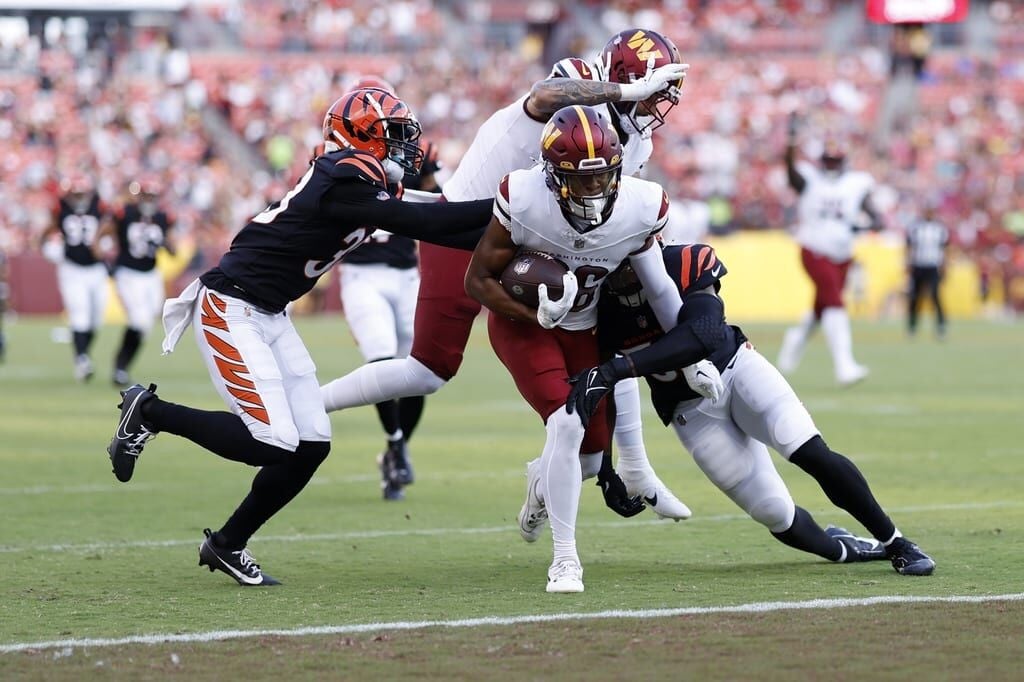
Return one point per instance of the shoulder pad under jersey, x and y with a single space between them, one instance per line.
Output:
694 267
354 164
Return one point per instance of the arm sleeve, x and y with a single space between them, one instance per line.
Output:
662 293
362 204
700 331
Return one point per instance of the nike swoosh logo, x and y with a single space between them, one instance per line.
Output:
653 500
121 434
718 269
241 576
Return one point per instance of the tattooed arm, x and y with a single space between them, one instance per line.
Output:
548 96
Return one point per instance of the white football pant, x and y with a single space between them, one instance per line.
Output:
380 304
728 439
261 369
142 295
83 289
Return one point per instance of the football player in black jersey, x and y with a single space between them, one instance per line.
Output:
255 358
379 284
81 276
728 437
141 229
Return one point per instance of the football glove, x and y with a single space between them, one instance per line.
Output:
550 313
589 388
615 495
703 377
654 82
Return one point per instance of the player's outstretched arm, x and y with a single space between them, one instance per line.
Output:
796 180
662 293
550 95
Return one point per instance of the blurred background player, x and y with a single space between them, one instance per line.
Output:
927 239
82 278
757 408
829 210
141 228
379 284
644 73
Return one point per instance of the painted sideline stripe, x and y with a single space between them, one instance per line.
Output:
755 607
432 532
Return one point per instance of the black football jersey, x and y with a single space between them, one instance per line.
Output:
624 328
79 230
139 236
339 202
385 248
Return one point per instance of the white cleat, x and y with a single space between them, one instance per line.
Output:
565 577
533 515
852 375
656 495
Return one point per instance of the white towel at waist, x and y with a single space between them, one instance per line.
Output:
178 314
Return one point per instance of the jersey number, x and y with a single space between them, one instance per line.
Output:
315 268
272 211
144 239
590 278
80 229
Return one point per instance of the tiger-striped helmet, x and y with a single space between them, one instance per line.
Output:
377 122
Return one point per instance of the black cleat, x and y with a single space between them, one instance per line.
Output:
390 483
908 559
399 461
857 548
131 434
238 564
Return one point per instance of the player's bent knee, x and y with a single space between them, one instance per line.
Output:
423 379
775 513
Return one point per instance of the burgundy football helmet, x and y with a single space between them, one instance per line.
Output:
573 67
629 56
582 160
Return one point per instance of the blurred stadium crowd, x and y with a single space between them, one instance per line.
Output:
224 101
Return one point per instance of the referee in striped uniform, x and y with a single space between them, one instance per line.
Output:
926 256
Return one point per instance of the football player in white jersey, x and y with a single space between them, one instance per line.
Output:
578 207
831 202
644 74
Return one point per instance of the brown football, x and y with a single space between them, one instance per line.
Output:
529 269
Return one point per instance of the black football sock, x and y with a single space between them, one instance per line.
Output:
222 433
129 348
273 488
844 485
81 341
805 534
409 412
387 411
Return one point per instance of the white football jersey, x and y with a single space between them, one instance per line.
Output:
531 214
828 208
510 140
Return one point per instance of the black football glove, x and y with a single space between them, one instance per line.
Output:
615 495
589 388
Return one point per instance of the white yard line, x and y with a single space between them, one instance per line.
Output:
756 607
484 530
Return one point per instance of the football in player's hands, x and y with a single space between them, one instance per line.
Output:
528 270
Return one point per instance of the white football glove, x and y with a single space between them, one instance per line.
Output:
550 313
703 377
655 81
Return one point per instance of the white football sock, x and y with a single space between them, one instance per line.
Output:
629 432
793 343
378 381
561 480
836 325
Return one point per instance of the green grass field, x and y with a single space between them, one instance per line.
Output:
937 430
